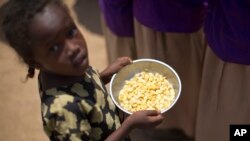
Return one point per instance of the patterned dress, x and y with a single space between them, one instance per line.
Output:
79 112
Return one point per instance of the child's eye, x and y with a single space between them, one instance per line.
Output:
54 48
72 32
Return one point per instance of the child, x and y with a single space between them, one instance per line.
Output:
75 103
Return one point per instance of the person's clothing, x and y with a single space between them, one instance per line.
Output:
117 46
184 52
171 31
160 135
224 94
227 30
224 98
118 15
81 111
118 28
184 16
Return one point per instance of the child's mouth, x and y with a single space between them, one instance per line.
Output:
79 60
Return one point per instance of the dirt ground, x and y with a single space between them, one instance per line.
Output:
19 102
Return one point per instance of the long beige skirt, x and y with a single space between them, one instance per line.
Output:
185 53
117 46
224 98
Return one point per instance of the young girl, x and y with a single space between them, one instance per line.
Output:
75 103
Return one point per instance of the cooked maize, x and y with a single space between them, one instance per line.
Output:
146 91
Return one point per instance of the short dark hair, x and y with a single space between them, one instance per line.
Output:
17 17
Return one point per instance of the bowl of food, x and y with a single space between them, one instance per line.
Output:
145 84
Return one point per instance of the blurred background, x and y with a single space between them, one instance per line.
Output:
20 117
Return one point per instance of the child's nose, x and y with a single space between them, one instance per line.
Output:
72 49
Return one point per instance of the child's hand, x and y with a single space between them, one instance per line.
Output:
140 119
145 119
114 68
118 64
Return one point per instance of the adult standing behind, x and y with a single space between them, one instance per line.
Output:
171 31
118 28
224 95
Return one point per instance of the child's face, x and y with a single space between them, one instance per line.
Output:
57 44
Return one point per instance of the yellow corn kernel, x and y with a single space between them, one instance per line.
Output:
146 90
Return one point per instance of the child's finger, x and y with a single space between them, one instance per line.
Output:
152 112
125 60
156 119
130 60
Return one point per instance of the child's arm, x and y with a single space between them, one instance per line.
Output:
140 119
113 68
